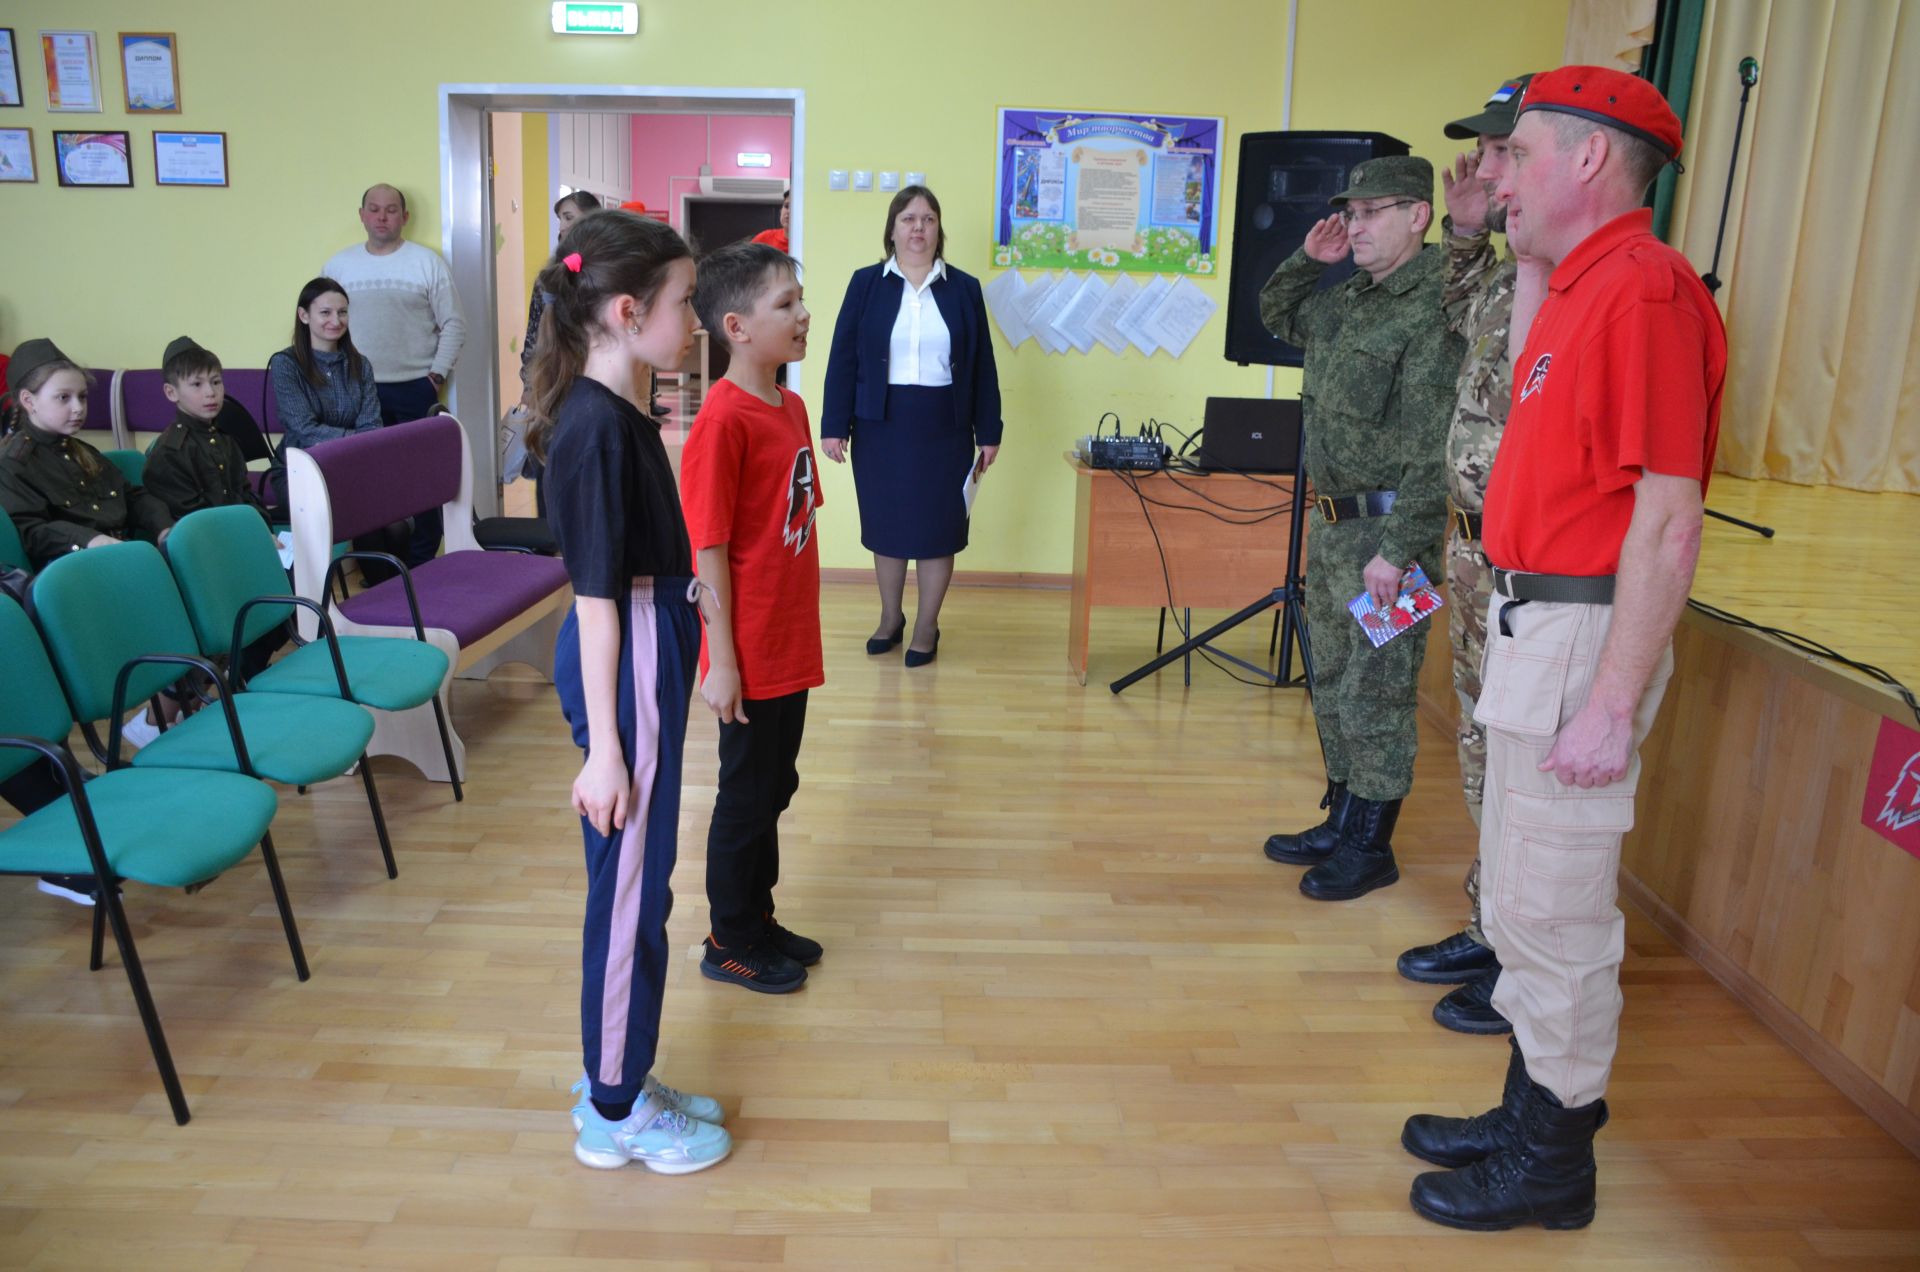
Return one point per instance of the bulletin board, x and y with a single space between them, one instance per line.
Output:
1108 190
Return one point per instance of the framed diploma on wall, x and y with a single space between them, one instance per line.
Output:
16 155
189 158
9 69
150 72
93 158
73 71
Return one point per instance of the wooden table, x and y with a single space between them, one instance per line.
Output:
1210 563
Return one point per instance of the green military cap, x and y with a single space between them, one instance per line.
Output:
1406 176
1496 119
30 357
178 345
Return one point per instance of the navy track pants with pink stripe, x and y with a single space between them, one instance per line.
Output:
624 955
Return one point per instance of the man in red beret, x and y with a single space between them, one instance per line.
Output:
1592 525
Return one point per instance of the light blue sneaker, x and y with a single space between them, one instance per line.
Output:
702 1108
663 1140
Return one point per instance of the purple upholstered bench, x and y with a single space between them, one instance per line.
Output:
484 609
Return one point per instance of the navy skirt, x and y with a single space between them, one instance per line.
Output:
908 470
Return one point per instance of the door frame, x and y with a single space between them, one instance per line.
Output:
466 211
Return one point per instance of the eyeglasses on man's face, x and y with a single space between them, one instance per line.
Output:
1351 214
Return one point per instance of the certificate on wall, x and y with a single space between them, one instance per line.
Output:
16 155
9 70
93 158
1105 190
189 158
73 70
150 65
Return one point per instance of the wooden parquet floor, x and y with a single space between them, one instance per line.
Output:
1069 1018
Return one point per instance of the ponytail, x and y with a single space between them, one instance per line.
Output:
606 254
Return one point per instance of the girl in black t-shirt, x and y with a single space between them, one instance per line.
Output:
619 302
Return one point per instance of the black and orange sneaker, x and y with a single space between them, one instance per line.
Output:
760 967
800 949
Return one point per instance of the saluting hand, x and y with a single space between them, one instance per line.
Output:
1466 197
1327 241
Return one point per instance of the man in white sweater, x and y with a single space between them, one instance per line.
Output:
405 319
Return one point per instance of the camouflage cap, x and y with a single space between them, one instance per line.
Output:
1405 176
1497 118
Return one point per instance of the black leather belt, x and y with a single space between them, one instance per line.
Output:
1560 589
1466 523
1375 503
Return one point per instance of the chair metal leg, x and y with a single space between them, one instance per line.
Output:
379 820
1160 641
143 999
286 910
99 929
446 744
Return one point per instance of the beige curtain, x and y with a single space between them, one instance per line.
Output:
1609 32
1821 261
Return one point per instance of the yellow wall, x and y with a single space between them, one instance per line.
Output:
321 100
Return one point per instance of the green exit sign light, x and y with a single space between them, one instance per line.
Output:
586 17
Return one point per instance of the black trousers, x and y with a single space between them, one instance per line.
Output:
757 780
402 402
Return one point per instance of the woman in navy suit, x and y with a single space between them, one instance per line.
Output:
911 383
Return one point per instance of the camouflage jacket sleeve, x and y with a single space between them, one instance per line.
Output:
1417 524
1286 301
1470 258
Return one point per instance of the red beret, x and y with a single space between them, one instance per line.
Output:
1610 97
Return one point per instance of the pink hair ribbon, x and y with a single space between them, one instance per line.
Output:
572 261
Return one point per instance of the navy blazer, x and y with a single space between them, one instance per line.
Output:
856 387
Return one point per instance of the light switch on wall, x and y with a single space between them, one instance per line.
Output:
889 181
917 178
862 179
836 178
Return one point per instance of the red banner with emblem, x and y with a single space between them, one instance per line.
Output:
1892 806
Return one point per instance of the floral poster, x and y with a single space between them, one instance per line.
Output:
1107 191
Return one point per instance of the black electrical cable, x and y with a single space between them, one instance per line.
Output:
1807 645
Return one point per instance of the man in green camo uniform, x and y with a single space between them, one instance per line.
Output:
1377 393
1479 301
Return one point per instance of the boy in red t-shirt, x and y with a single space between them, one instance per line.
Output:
747 484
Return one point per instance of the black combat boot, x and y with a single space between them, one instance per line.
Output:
1363 859
1548 1177
1470 1010
1462 1141
1454 961
1311 847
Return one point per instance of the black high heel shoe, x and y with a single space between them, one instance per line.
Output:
917 659
880 645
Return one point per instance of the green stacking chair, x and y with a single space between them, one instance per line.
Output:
164 827
13 553
118 633
131 463
236 591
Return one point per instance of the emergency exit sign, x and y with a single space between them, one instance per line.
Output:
585 17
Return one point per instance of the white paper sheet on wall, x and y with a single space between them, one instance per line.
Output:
1050 308
1180 315
1133 322
1000 296
1119 294
1031 297
1076 320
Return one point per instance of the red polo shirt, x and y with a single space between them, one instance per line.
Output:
1621 375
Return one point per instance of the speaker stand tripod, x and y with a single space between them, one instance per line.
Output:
1290 596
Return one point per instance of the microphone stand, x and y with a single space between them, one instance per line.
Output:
1749 76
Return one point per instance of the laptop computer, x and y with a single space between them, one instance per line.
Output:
1249 435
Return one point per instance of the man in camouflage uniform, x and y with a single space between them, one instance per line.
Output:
1479 302
1377 393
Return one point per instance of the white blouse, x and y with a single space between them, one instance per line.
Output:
922 347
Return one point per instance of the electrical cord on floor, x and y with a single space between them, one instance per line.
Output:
1166 575
1807 645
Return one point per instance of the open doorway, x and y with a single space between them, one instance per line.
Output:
493 216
